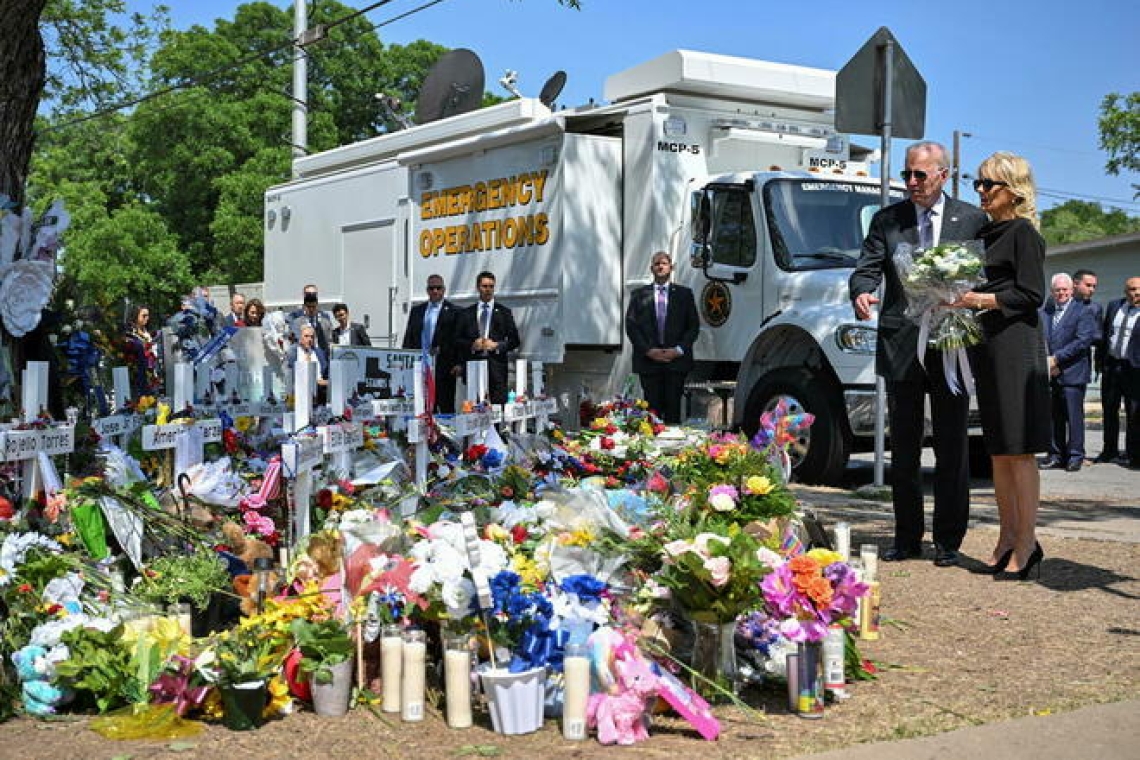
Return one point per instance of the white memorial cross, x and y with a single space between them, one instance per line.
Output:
304 382
121 379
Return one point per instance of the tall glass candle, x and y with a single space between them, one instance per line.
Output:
412 682
457 680
576 666
391 666
869 553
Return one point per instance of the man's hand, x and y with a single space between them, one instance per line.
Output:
863 304
1054 370
663 355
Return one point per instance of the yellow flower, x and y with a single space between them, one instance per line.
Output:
577 537
245 424
280 703
163 414
144 403
758 485
645 428
642 404
65 539
530 574
825 557
496 532
212 705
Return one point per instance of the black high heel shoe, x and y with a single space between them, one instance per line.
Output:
1034 561
997 567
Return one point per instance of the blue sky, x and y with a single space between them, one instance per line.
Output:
1022 76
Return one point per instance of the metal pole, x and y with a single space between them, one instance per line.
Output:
958 135
885 200
300 82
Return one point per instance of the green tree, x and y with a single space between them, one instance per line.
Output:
1120 133
1074 221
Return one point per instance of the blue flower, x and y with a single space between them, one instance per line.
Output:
587 588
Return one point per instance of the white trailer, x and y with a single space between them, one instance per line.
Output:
733 165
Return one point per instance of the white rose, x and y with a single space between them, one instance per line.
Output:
24 293
457 595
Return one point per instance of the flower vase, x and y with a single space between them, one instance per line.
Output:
515 700
810 678
717 678
243 705
331 699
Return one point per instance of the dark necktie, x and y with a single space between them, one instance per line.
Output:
661 308
485 321
926 229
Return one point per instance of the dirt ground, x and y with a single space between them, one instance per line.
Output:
957 650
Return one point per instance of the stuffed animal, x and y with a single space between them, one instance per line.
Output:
620 712
36 673
246 549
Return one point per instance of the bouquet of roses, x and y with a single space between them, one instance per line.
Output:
933 277
809 592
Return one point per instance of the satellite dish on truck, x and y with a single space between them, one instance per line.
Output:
552 89
453 86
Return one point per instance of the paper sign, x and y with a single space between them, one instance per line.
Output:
338 438
160 437
21 445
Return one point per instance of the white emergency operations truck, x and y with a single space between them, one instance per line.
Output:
733 165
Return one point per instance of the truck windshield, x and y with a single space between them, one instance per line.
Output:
819 223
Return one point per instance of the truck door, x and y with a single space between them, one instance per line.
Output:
369 250
725 248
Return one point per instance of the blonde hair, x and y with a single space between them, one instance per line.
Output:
1018 176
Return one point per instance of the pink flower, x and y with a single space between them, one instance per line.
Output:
676 548
719 568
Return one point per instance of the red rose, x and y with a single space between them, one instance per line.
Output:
7 511
607 442
507 492
324 498
518 534
24 588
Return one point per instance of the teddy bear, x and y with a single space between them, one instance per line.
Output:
243 555
36 673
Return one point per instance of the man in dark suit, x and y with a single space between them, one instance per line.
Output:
1120 375
311 314
927 218
431 327
662 324
345 332
1070 330
487 331
236 317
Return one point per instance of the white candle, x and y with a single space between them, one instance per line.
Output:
869 553
391 667
457 682
577 669
520 377
843 540
121 379
415 664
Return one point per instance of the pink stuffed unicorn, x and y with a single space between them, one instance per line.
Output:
620 711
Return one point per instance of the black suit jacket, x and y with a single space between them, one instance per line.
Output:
897 356
443 340
503 331
357 335
1131 353
682 326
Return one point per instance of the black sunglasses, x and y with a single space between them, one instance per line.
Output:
988 184
435 287
918 174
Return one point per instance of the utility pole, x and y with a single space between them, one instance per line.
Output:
957 169
300 141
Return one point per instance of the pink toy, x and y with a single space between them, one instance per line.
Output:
621 712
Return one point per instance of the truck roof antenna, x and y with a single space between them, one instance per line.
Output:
509 82
392 110
453 86
552 89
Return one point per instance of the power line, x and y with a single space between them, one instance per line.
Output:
211 75
1122 205
1037 146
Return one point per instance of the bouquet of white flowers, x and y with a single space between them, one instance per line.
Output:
934 277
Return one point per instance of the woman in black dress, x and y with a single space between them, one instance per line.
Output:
1010 365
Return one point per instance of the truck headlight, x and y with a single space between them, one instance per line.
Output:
856 339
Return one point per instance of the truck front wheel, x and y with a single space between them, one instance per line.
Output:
819 454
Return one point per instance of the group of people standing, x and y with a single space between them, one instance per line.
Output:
1084 339
1023 368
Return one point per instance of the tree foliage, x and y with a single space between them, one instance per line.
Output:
1120 133
1075 221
